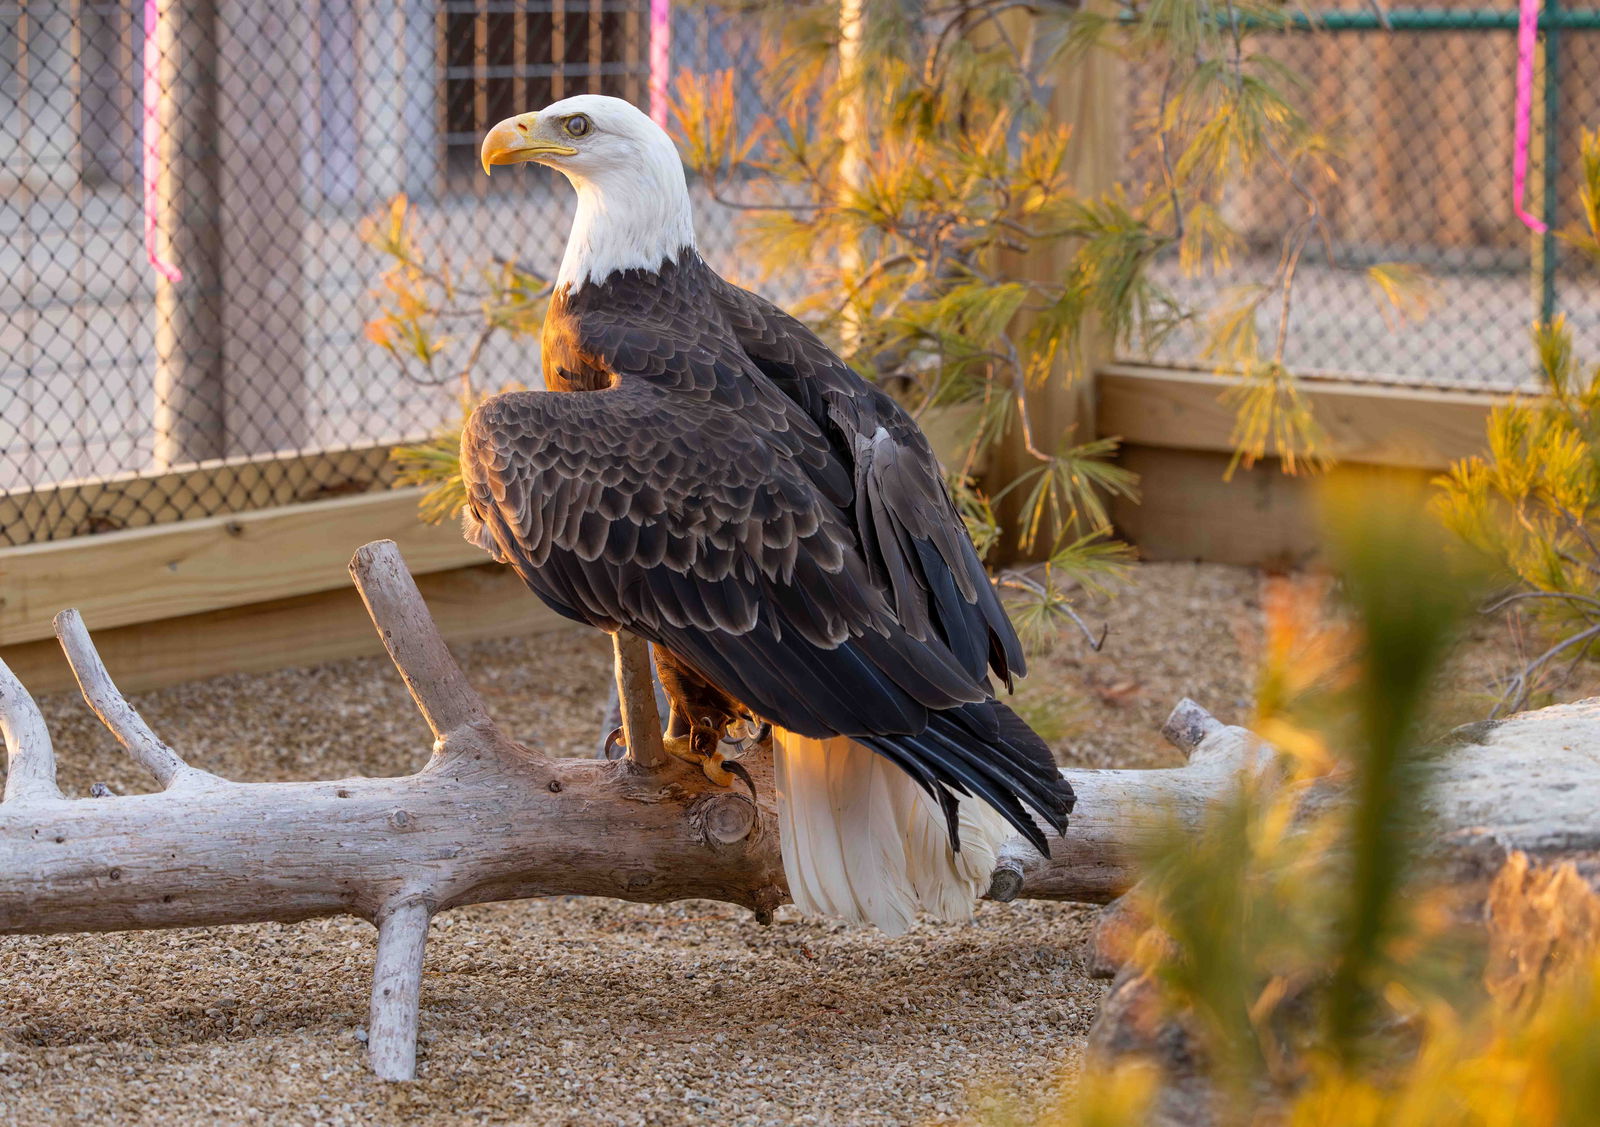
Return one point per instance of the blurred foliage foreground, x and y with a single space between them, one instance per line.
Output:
1320 972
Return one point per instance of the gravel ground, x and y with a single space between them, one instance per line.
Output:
592 1011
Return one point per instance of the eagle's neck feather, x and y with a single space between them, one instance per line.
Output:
630 218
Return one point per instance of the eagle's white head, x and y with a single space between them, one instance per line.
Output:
633 202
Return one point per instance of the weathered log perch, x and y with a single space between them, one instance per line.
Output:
485 819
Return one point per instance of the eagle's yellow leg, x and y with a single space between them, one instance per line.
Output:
713 762
704 748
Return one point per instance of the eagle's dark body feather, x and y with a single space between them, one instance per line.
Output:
717 481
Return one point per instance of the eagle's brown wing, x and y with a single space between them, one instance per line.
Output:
912 535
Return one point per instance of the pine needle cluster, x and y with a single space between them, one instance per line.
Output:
1531 504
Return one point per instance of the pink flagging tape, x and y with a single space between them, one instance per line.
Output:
1527 38
660 58
150 141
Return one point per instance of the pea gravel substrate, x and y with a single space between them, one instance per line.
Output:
582 1011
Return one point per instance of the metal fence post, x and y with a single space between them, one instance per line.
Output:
263 137
1549 247
189 404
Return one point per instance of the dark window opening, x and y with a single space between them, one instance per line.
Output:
504 57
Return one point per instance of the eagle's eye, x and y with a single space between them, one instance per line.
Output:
578 125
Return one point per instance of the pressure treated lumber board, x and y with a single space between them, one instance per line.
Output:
164 571
485 601
1414 428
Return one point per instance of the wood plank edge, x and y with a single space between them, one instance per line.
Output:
470 604
1182 409
73 567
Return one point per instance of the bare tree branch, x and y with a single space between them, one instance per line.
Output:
445 699
30 761
100 693
397 989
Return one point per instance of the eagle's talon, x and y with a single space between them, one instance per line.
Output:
615 746
700 747
722 771
734 767
760 734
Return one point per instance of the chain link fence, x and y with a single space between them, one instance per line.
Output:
1419 105
126 399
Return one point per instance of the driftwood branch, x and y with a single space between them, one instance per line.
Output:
30 760
636 692
484 819
1189 726
397 988
447 702
100 693
1120 816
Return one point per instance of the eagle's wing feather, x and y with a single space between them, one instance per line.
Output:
908 524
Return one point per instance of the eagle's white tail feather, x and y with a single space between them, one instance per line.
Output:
862 842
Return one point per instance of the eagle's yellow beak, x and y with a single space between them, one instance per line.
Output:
518 139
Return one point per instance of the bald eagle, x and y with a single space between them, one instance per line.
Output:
704 472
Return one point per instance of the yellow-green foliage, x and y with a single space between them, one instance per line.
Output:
909 180
1475 1061
1586 235
1497 1067
1532 504
915 168
436 326
436 464
429 314
1041 599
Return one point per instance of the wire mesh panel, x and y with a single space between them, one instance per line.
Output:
1421 118
274 131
